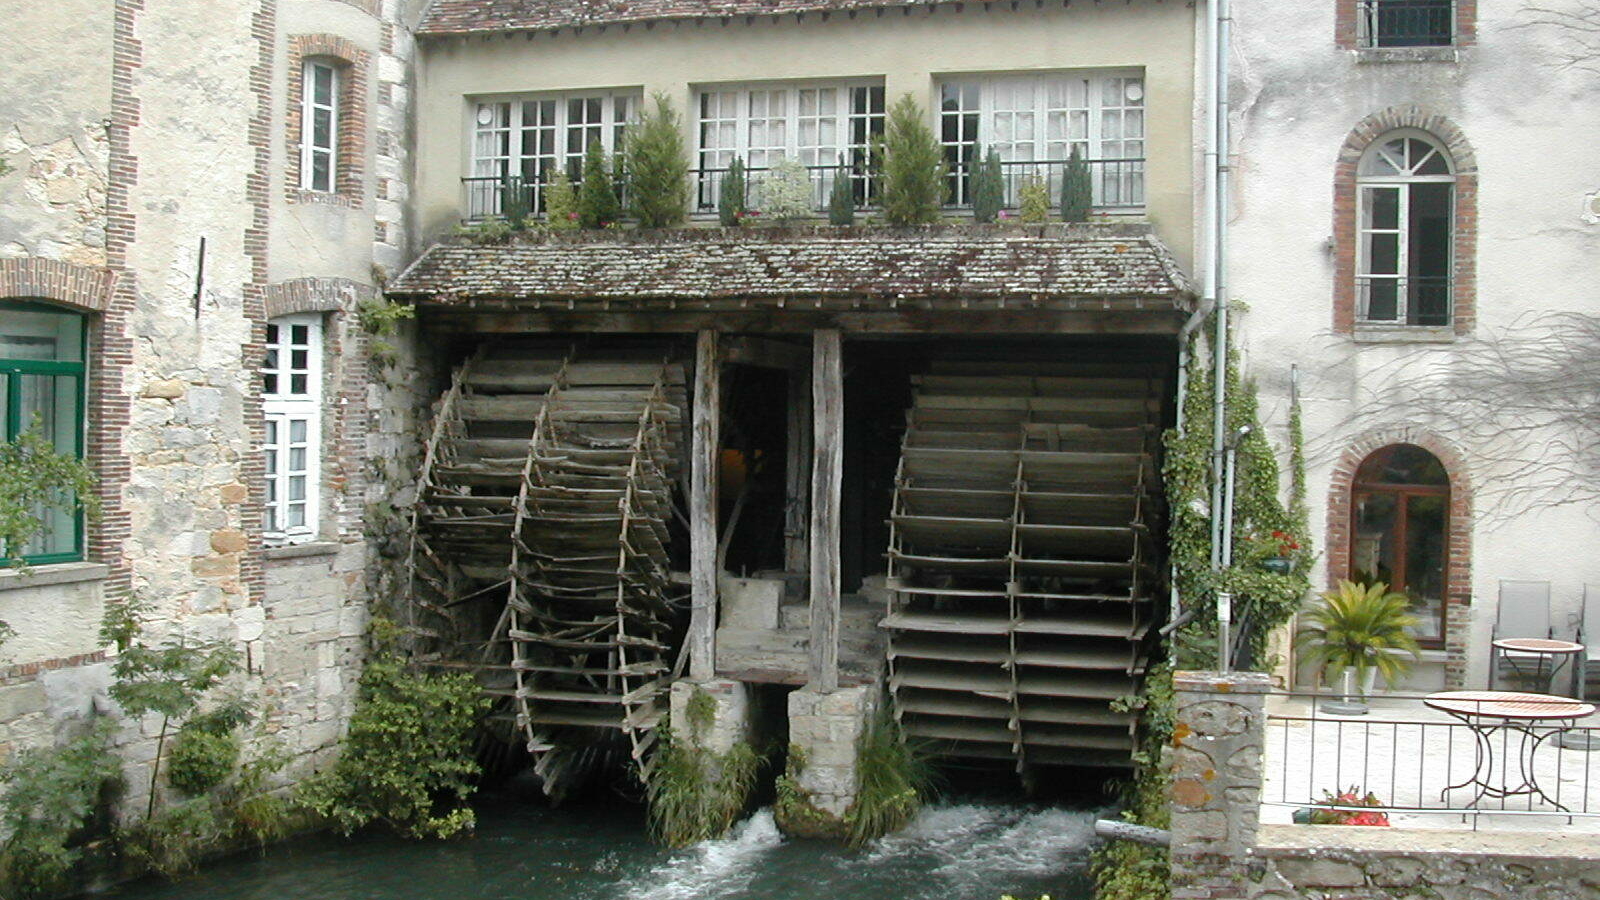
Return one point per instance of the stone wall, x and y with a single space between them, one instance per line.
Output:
1220 851
824 730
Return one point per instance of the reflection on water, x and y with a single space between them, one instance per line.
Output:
524 852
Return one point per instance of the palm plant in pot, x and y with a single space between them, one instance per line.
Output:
1357 633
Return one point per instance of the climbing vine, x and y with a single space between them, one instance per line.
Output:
1263 526
1124 870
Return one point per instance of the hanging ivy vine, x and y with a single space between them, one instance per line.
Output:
1263 526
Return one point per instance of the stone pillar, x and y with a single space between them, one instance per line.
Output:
710 715
824 730
1215 764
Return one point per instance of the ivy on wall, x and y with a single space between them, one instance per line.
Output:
1264 527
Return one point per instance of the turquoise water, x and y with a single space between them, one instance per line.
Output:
526 852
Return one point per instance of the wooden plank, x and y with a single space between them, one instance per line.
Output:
707 442
827 480
767 353
797 475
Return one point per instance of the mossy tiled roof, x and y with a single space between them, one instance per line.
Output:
448 17
1090 267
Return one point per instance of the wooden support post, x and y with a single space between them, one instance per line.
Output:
707 443
827 479
797 475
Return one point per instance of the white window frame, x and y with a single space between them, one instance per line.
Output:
284 403
499 128
310 150
773 120
1399 182
1002 100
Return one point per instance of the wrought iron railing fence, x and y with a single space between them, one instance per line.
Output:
1404 300
1404 757
1116 186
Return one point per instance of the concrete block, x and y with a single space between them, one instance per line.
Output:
1322 873
23 699
750 603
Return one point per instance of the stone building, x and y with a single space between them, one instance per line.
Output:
201 204
198 204
1414 230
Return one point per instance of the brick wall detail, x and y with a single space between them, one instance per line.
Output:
82 287
1465 237
350 159
1458 567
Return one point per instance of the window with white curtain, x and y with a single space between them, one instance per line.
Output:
291 398
530 138
817 123
1035 122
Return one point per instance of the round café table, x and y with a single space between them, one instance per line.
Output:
1511 649
1534 718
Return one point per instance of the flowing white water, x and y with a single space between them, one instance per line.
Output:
721 868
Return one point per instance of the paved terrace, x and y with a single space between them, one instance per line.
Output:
1407 754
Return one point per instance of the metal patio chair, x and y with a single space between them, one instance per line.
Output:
1524 612
1586 677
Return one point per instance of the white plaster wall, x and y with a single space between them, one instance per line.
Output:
1533 128
907 51
52 130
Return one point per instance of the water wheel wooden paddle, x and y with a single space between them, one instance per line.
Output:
540 562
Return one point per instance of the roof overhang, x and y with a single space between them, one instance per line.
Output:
1057 279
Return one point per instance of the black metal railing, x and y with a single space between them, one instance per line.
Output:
1403 757
1407 23
1116 186
1403 300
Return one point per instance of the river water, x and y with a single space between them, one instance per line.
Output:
525 852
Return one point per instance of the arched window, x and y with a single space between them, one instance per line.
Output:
1400 521
41 387
1406 183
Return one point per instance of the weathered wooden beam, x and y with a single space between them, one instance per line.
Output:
707 441
766 353
797 475
827 480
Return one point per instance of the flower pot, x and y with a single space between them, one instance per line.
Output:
1280 565
1351 703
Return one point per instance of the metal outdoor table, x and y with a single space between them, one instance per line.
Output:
1510 649
1534 718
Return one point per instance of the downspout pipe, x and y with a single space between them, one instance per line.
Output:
1221 498
1207 258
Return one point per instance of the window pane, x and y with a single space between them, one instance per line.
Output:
1425 561
322 79
36 332
1373 555
1382 208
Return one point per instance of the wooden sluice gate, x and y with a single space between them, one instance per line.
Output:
1022 566
539 553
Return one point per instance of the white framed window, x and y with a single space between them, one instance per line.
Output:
319 125
817 123
291 398
1035 122
1405 215
526 138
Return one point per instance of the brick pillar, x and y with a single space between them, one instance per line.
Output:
1215 796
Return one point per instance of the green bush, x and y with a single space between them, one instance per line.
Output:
598 205
658 186
988 187
51 795
892 780
560 203
36 479
913 166
842 199
1034 200
201 759
731 195
696 795
407 761
787 190
174 841
1077 190
516 202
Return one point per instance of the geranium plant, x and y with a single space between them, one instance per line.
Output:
1333 809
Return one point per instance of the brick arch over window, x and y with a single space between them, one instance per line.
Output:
80 287
1458 572
1464 233
352 64
301 295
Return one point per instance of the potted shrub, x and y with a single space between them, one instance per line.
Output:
1333 810
1284 548
1351 636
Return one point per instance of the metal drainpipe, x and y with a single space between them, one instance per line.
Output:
1208 252
1220 500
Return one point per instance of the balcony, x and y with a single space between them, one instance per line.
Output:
1118 188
